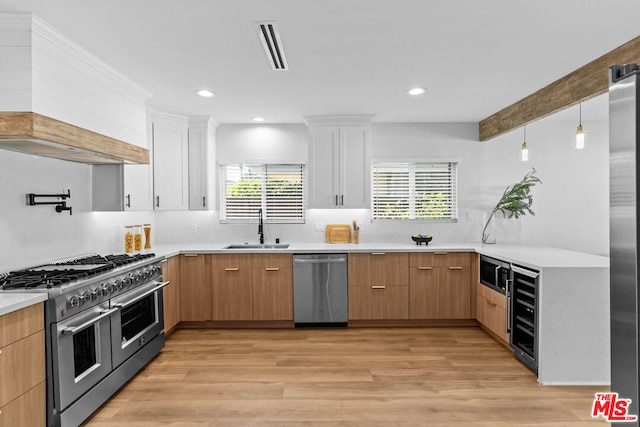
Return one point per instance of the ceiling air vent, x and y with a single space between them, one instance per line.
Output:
270 37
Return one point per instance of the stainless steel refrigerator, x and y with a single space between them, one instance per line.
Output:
623 200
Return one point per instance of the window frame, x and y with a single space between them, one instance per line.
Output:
411 167
264 199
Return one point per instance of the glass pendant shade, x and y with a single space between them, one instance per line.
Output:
525 152
579 138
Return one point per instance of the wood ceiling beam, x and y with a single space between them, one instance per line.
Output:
584 83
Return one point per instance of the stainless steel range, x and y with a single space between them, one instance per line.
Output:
105 322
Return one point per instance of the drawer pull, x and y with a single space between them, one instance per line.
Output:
191 254
272 268
378 253
440 253
455 268
491 303
231 269
379 287
425 268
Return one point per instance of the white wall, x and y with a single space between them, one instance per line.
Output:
571 204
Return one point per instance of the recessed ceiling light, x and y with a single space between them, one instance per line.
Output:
416 91
258 119
205 93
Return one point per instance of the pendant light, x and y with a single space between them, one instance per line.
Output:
525 150
580 133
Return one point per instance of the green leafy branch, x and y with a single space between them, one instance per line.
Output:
516 201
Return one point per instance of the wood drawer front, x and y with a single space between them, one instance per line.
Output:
452 259
21 323
424 259
379 268
493 317
376 303
22 366
27 410
239 261
273 260
491 295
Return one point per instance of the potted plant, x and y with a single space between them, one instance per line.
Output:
515 201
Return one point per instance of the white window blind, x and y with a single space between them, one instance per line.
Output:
279 189
423 191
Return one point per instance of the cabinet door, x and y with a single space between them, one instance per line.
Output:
424 295
22 366
324 166
493 317
455 286
27 410
231 287
170 165
137 188
194 303
171 292
355 167
272 293
378 302
201 165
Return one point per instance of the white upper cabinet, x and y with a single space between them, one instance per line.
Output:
170 162
339 162
202 163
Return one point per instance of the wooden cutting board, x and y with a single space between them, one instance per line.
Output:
338 233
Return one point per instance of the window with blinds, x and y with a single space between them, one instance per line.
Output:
279 189
422 191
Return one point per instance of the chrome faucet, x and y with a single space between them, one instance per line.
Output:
260 226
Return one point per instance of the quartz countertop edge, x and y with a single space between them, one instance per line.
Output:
13 301
537 257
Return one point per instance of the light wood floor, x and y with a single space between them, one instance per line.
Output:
341 377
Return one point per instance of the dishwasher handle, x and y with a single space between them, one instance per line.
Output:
319 260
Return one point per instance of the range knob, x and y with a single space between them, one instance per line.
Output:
97 293
74 301
152 270
127 280
109 288
85 297
119 284
139 276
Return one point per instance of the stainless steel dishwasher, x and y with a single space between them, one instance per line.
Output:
320 290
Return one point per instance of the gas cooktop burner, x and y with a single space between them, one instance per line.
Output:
65 271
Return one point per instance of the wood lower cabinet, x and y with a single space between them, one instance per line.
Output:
491 311
440 285
22 367
171 292
252 287
273 287
194 301
231 287
378 286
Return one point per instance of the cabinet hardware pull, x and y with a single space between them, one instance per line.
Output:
439 253
425 268
336 200
455 268
272 268
128 202
157 201
204 201
342 200
379 287
191 254
378 253
231 269
491 303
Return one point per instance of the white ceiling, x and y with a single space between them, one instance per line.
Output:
345 56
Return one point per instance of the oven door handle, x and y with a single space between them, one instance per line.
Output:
76 329
161 285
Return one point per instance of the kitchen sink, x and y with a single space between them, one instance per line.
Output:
257 246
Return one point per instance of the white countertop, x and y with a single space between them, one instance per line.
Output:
12 301
530 256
